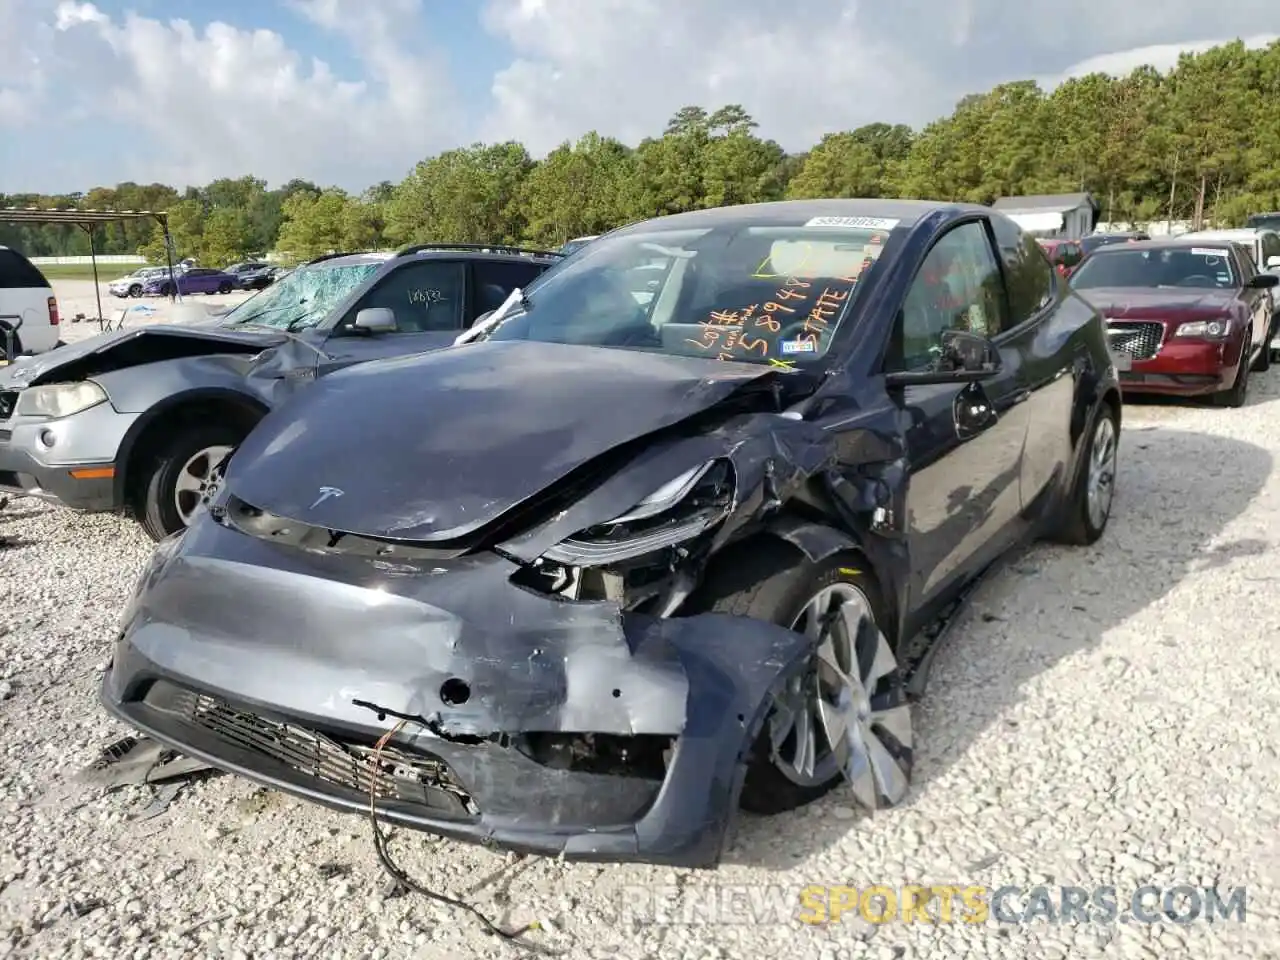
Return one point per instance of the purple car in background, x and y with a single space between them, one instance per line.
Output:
194 280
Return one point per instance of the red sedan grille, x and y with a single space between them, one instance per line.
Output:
1139 339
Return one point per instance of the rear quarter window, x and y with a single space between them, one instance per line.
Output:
17 272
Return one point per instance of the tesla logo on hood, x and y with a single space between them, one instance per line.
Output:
325 494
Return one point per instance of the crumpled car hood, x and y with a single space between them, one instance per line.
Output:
1119 302
39 369
436 446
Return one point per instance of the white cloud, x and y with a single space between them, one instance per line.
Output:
185 102
221 100
812 66
625 66
1162 56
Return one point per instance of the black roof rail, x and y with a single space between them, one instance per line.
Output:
332 256
477 247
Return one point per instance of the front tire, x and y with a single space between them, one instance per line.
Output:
181 478
843 717
224 288
135 291
1263 363
1236 396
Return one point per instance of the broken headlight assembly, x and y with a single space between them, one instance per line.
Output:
678 511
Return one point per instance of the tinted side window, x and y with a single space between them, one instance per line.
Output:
1027 272
1248 269
496 279
427 295
16 271
958 287
1270 248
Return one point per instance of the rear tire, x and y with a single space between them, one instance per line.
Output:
771 581
224 289
1081 523
158 509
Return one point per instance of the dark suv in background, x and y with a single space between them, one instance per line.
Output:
142 418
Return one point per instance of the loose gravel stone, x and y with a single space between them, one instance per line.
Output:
1101 716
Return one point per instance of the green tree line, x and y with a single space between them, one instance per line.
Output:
1200 142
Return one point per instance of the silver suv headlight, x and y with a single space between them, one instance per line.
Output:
59 399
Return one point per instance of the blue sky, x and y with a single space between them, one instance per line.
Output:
351 92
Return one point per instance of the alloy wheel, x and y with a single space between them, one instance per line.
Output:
830 719
197 481
1102 471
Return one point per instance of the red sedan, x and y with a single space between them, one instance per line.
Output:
1184 317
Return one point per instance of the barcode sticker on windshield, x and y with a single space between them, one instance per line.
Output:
1208 252
857 223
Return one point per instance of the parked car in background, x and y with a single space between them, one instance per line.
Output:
191 280
620 566
1065 255
1264 248
252 275
1184 317
140 418
576 244
29 320
1095 240
1264 221
133 284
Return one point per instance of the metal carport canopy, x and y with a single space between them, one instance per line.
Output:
1036 220
89 221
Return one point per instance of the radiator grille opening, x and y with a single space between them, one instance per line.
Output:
1140 339
409 777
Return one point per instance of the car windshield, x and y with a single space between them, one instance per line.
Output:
747 293
1267 221
303 298
1196 267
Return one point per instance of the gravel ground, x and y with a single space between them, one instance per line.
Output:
1100 716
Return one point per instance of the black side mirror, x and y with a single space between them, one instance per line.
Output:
964 357
969 352
1264 281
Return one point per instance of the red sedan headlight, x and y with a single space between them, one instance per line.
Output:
1206 329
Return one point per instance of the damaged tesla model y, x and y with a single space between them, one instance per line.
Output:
645 552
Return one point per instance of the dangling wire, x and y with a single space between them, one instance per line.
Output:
404 880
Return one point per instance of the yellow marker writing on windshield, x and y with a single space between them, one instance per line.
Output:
784 364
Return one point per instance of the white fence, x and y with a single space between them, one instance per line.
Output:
107 258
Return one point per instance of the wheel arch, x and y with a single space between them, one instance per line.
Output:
147 433
816 541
